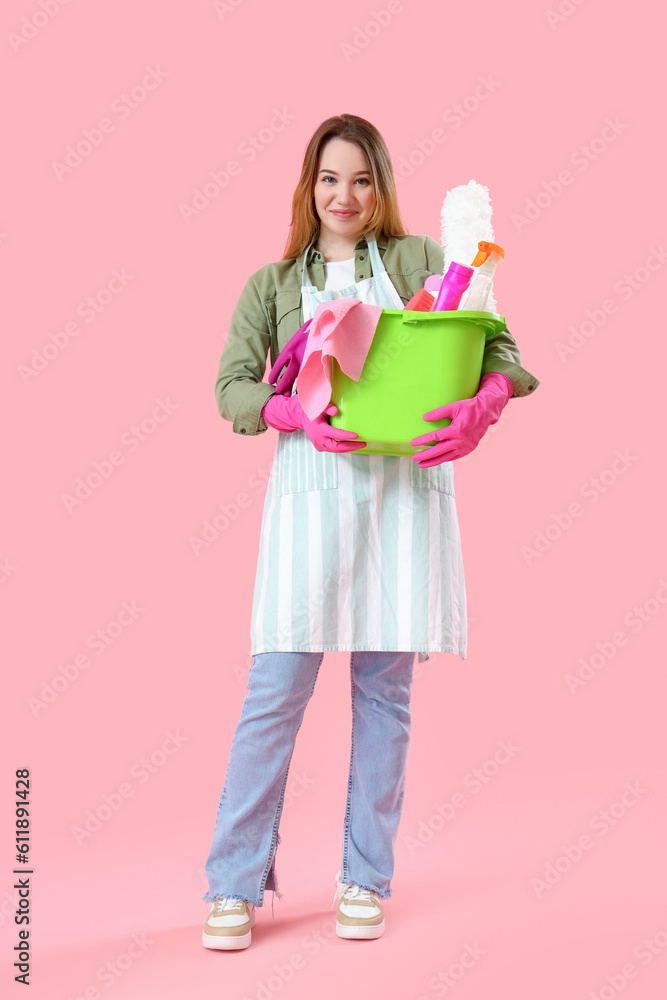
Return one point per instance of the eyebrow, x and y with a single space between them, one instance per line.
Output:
357 174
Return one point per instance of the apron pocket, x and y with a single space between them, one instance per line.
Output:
301 468
436 477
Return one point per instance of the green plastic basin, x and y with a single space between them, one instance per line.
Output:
417 361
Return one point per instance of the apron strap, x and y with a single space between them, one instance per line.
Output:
304 272
377 267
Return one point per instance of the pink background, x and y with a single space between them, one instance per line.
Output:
597 590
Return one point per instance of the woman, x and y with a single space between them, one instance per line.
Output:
357 552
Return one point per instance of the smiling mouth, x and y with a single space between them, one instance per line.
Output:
346 214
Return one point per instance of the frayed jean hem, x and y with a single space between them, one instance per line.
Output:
210 897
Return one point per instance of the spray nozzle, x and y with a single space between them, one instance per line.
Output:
484 249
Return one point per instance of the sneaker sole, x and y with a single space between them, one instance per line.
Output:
221 942
359 931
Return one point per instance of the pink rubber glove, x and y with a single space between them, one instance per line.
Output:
286 413
471 418
292 356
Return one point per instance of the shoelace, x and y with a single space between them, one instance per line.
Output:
350 890
227 903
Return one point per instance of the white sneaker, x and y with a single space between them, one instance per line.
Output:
229 924
360 913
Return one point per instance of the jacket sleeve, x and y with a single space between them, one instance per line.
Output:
239 389
501 354
435 256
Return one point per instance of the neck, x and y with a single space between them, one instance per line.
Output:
335 248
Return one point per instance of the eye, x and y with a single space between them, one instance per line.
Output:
328 178
364 180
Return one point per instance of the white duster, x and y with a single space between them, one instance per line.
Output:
465 220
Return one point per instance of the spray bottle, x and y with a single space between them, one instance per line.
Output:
454 284
486 261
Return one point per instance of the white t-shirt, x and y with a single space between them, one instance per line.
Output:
340 274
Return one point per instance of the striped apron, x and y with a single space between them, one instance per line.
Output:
357 551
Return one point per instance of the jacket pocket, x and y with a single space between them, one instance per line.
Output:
287 316
301 468
435 477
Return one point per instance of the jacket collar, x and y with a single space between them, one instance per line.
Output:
361 244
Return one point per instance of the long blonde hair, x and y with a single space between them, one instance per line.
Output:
386 218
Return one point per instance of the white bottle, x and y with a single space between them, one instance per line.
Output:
481 283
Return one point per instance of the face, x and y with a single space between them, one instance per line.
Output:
343 192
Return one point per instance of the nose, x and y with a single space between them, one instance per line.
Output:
345 194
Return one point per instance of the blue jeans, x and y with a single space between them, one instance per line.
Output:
241 861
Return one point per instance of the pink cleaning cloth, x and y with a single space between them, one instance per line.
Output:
342 329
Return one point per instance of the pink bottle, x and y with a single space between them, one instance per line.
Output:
454 284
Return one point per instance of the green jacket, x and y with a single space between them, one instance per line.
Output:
268 313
